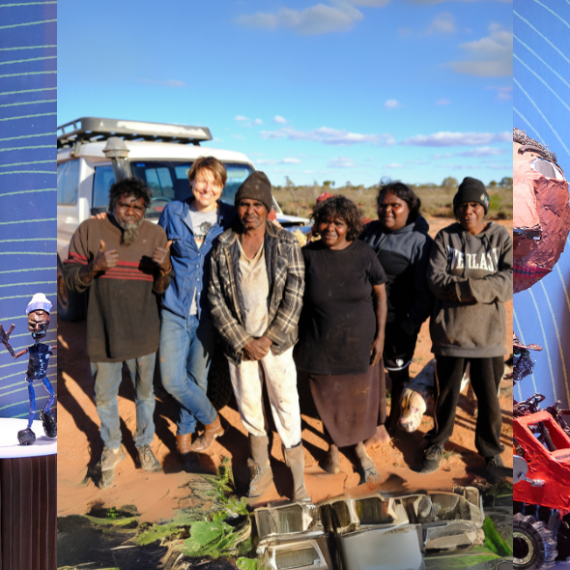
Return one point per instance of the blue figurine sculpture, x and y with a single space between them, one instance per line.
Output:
38 322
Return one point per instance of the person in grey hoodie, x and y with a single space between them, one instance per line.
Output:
401 241
471 275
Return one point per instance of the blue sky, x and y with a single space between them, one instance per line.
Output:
342 90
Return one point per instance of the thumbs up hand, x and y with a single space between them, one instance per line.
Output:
161 257
105 260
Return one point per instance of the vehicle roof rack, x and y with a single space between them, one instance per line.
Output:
92 129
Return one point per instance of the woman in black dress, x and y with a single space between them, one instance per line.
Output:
342 330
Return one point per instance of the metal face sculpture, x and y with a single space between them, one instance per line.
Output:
541 211
38 322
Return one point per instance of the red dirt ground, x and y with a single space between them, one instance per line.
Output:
158 495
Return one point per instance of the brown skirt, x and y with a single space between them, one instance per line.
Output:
348 404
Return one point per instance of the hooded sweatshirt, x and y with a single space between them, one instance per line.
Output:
404 256
480 268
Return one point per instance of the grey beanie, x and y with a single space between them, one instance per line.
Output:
471 190
256 187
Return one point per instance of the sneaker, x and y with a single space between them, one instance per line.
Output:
431 458
148 460
495 467
110 458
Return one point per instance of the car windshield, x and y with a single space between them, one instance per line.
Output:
168 180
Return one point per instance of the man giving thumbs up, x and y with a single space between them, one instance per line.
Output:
124 261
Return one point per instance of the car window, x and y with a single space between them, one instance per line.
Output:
102 181
67 182
168 180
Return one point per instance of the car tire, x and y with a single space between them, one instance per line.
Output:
220 388
71 306
534 547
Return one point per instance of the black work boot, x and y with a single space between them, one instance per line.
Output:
296 462
496 469
49 422
148 460
431 458
260 472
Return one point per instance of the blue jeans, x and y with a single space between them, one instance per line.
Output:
186 350
108 377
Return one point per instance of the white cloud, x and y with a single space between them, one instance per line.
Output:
247 122
405 32
479 152
482 151
457 139
315 20
491 56
392 104
371 3
280 120
327 135
167 83
341 162
431 2
286 160
238 137
443 101
393 165
503 93
443 23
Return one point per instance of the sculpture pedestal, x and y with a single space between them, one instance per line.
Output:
28 499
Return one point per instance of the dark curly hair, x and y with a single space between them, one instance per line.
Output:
338 207
405 193
519 136
129 187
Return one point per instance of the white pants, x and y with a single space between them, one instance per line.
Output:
281 377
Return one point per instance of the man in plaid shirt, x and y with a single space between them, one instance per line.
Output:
256 294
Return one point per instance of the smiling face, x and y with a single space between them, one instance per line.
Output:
541 215
251 213
393 212
206 189
38 323
470 215
333 233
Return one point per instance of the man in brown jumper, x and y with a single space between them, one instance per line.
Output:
124 261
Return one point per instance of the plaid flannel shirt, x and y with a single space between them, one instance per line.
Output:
286 276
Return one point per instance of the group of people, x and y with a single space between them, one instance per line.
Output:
342 309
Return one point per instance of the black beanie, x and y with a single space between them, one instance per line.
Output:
256 187
471 190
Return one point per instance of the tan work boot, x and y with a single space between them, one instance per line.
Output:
184 443
260 472
296 462
205 441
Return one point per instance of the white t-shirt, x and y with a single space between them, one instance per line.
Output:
201 223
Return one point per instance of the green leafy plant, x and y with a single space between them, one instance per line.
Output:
112 513
215 537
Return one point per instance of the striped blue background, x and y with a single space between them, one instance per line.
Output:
28 208
542 109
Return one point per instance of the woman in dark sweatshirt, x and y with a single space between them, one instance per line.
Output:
471 275
401 241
